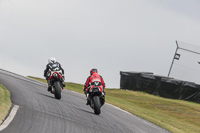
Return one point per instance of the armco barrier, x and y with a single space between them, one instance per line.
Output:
160 85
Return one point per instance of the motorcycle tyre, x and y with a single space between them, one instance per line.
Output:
97 106
57 93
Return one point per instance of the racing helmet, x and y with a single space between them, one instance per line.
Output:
94 70
52 60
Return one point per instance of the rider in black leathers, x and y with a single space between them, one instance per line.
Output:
52 63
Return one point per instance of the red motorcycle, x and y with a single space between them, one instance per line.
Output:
96 97
56 83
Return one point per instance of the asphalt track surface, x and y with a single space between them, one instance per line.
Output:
40 112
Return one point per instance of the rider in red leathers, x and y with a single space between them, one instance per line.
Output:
94 77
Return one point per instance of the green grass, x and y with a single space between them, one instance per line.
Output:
176 116
5 102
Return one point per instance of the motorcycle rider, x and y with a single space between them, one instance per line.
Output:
53 63
94 76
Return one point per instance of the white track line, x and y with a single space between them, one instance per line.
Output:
9 118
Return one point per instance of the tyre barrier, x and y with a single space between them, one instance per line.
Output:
162 86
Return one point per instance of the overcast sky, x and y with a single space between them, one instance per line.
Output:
110 35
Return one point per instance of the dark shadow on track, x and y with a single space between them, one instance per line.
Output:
45 95
84 110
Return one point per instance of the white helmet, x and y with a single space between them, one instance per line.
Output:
52 60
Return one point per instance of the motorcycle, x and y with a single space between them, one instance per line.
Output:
55 77
96 97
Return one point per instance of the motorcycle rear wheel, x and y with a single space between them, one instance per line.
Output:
97 109
57 93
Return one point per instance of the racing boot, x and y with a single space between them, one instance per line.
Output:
63 84
49 86
88 100
102 100
62 80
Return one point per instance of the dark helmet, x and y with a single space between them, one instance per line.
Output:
94 70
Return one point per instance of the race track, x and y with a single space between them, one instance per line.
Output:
40 112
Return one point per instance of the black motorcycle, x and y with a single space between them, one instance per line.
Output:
96 98
56 83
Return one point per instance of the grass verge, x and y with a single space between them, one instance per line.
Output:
176 116
5 102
